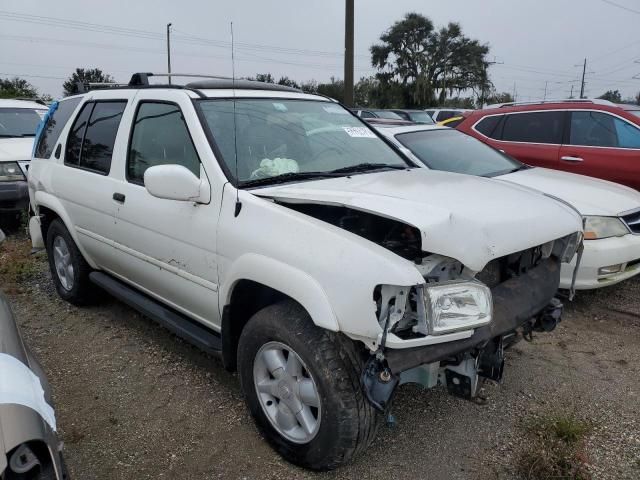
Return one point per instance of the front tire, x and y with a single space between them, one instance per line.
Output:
69 270
302 386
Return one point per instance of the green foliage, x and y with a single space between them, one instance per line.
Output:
287 82
81 75
16 88
612 95
420 65
555 448
495 97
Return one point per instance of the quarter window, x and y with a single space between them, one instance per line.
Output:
55 122
93 135
160 137
534 127
488 126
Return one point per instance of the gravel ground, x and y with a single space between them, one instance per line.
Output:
135 402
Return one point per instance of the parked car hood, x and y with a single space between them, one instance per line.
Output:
15 148
471 219
591 196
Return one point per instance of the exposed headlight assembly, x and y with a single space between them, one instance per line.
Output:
454 306
603 227
10 172
565 248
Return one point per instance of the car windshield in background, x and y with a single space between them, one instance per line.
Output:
281 139
453 151
387 114
19 122
421 117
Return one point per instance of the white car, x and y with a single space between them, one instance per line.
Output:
276 229
611 211
18 122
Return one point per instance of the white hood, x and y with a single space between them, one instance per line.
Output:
13 149
471 219
591 196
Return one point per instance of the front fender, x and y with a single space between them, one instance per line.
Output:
289 280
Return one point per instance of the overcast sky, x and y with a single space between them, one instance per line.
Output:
534 41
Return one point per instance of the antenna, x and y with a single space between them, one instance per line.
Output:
235 126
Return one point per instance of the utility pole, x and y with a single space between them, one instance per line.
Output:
571 94
169 51
584 71
515 93
545 90
348 52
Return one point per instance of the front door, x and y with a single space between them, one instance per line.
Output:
167 247
604 146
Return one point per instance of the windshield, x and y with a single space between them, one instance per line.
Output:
454 151
19 122
421 117
284 138
387 114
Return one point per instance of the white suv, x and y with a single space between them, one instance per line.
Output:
278 230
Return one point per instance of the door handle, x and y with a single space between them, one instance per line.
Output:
119 197
570 158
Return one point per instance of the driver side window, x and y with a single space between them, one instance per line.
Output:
160 137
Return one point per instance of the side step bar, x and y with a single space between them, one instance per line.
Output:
191 331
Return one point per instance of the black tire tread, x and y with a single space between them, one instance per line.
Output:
358 420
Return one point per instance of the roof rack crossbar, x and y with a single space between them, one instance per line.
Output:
597 101
142 78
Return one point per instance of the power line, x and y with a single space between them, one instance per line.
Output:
621 6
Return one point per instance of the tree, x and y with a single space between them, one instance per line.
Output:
612 95
495 97
83 76
287 82
423 60
333 89
17 87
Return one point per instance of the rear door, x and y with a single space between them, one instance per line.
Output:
533 138
602 145
81 179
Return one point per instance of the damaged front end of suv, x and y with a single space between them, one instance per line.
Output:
479 293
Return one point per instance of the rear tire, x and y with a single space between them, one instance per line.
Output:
345 422
69 270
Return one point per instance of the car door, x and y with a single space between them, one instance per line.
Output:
167 248
533 138
602 145
81 178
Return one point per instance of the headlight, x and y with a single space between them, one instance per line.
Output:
10 171
603 227
457 306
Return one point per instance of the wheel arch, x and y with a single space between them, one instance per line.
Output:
50 208
256 281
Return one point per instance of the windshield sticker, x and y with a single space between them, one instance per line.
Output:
281 107
335 109
359 132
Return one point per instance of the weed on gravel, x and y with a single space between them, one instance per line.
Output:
555 449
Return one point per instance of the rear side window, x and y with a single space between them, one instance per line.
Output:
488 126
446 114
55 122
365 114
93 135
534 127
160 137
597 129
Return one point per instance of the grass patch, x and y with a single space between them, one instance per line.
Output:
555 448
16 263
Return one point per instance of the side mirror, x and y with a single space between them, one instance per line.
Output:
175 182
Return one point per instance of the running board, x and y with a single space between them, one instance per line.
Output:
191 331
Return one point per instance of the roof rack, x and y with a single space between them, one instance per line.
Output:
141 80
596 101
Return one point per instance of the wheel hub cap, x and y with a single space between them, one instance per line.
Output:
62 262
287 393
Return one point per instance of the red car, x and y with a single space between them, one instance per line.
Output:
590 137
